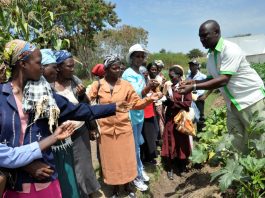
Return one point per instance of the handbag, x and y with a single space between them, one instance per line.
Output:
184 123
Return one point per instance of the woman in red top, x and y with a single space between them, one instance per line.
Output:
175 145
150 127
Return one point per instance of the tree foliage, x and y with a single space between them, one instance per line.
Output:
83 18
31 22
195 53
112 41
162 51
54 23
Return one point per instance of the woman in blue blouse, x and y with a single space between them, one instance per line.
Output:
135 58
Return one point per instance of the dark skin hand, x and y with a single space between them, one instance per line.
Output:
80 89
38 170
214 83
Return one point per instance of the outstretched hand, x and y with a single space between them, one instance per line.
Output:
153 83
185 88
187 82
156 96
65 130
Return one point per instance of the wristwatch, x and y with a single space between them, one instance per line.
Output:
194 87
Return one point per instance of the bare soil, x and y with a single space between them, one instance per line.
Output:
192 184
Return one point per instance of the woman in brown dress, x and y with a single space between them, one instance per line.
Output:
175 145
116 141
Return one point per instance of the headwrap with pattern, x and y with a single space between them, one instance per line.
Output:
110 60
62 55
37 95
17 50
159 63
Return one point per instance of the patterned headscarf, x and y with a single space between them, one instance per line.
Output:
17 50
48 57
110 60
62 55
37 95
159 63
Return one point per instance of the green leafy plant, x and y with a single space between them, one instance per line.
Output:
246 171
213 132
260 69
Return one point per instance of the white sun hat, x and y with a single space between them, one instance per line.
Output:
135 48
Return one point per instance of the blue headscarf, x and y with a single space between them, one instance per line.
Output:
48 57
62 55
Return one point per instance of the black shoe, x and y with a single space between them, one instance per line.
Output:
170 174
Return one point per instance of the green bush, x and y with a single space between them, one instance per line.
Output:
170 59
260 68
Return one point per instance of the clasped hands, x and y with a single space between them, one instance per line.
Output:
186 86
123 106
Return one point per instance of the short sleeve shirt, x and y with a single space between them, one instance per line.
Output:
245 86
138 83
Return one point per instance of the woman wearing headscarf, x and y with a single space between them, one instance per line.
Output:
116 141
135 59
176 145
49 65
29 113
63 152
71 87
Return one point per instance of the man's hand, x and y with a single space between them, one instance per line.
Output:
38 170
65 130
123 106
187 82
80 90
184 89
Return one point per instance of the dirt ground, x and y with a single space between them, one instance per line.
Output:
193 184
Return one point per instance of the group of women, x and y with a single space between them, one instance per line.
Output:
30 112
126 142
48 103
